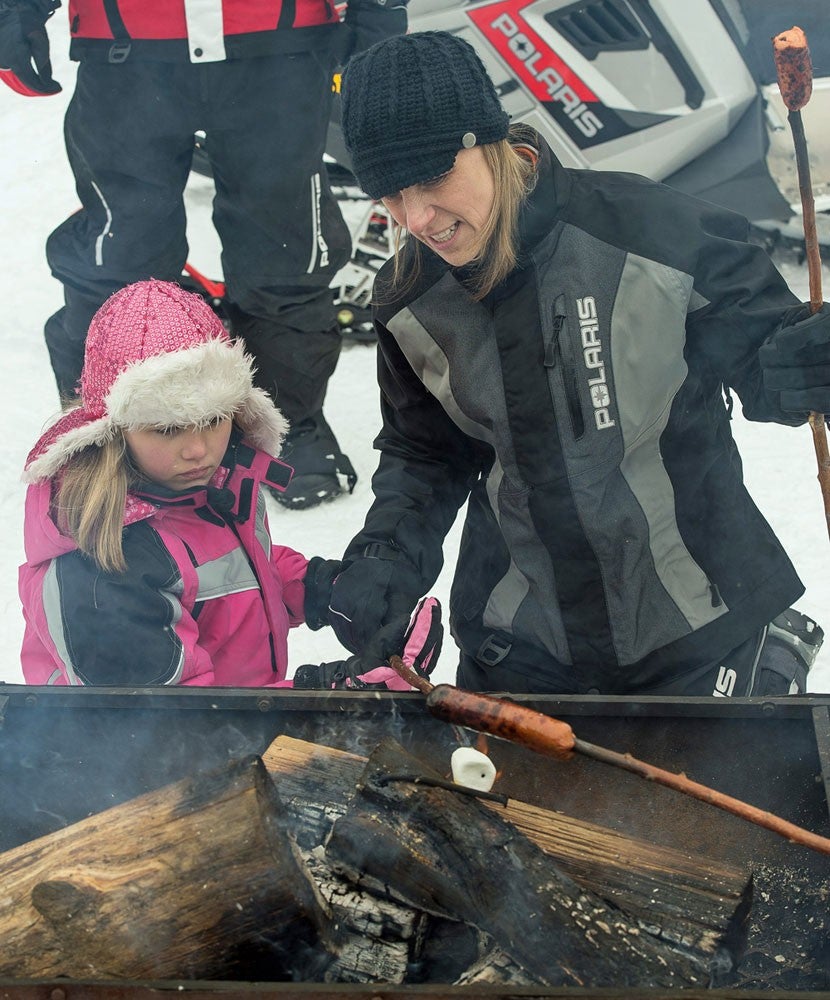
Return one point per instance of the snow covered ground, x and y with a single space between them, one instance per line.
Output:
36 193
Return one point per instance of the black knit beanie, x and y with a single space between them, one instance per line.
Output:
410 103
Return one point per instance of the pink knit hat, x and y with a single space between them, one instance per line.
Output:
157 356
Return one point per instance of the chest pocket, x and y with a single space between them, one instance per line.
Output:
560 362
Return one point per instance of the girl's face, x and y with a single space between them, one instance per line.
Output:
449 212
179 458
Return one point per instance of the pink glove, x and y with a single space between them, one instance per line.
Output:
419 639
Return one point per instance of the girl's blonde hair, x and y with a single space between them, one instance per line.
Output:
513 165
89 500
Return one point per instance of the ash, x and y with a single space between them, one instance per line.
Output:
788 946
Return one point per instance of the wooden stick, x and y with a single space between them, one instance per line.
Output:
412 678
555 746
680 783
795 81
808 210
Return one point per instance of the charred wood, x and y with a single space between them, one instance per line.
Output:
495 968
371 938
452 856
789 940
376 940
315 782
687 899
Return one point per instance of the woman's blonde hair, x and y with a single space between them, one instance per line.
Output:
513 165
89 501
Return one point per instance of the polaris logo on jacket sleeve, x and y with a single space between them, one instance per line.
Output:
592 353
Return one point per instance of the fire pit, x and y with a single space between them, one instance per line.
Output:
69 754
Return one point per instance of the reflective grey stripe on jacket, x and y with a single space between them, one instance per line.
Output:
229 574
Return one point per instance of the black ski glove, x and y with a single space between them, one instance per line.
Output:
24 47
416 640
319 576
373 590
795 363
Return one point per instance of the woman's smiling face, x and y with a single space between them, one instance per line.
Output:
448 213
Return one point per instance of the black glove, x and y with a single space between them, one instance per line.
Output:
319 577
24 42
417 641
373 590
795 363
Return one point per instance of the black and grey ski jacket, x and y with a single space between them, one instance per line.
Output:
580 410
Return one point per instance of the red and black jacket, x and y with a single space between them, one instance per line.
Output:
210 31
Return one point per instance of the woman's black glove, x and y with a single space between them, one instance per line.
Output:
373 590
416 640
795 363
319 576
24 47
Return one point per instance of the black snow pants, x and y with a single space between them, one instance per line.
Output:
130 137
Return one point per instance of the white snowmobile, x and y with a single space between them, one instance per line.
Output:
683 92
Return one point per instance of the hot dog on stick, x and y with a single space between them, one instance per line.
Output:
551 737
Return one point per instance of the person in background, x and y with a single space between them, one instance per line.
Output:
256 77
558 350
148 555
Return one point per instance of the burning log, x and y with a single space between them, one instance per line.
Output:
203 879
682 897
197 880
447 854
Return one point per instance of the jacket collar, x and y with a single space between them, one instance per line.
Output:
543 206
232 491
161 496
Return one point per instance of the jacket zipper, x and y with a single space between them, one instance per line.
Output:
555 358
229 521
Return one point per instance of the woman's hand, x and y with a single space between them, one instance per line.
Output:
372 591
319 577
416 640
795 363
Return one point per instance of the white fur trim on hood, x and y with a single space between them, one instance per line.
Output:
189 388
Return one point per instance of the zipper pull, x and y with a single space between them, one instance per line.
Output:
552 350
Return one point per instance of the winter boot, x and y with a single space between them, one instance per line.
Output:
312 451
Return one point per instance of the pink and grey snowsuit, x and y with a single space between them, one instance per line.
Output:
207 599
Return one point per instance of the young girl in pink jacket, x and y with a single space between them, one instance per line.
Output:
148 555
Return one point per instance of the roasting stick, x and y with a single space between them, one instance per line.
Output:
795 81
553 738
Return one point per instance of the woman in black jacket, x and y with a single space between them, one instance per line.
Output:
557 349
